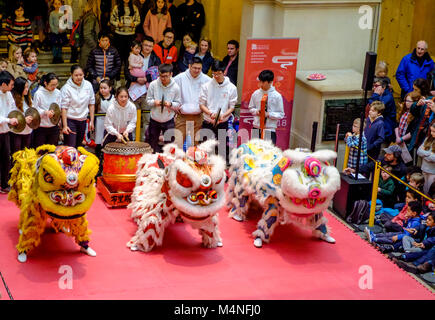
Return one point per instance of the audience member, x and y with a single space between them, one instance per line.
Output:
352 141
231 61
205 54
192 18
58 37
135 60
103 62
91 28
16 65
185 60
413 66
381 72
374 129
30 59
386 188
427 152
165 49
18 27
157 20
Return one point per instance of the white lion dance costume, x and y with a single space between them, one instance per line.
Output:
294 186
172 184
53 184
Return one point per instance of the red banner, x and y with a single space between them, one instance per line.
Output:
280 56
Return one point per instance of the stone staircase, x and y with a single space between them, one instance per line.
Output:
62 70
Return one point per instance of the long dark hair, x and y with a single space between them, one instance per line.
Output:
16 6
121 11
17 93
46 79
153 8
423 85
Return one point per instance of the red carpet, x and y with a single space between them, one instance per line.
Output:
293 266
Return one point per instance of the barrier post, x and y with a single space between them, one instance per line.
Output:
374 193
138 124
346 156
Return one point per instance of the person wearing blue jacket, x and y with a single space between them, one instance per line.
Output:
374 129
411 228
421 261
412 66
382 93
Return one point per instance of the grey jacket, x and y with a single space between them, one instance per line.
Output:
428 159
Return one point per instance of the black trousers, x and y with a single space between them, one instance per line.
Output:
45 135
154 130
5 163
19 141
267 135
75 139
221 128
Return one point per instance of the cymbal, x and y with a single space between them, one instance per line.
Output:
21 121
55 119
36 117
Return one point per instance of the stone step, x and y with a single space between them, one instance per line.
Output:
58 69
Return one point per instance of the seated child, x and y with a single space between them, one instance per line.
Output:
31 64
374 129
386 188
401 188
413 222
352 141
135 60
421 254
189 54
416 180
3 64
395 224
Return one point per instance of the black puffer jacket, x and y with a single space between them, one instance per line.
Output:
103 63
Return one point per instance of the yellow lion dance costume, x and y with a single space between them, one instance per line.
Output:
55 183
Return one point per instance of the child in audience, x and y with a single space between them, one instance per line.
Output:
352 141
183 63
58 37
386 188
374 129
416 180
135 60
411 228
401 188
3 64
31 64
395 223
428 241
381 71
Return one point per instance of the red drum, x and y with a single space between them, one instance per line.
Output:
120 162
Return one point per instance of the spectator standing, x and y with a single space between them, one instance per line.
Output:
23 101
157 20
231 61
91 29
352 141
192 18
164 99
57 35
18 27
78 101
120 121
77 7
382 93
150 60
124 18
381 72
143 6
189 119
374 129
165 49
103 62
275 106
37 12
413 66
427 153
7 104
175 21
205 54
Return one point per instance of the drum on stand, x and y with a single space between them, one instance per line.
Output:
120 163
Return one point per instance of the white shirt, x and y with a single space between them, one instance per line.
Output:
190 88
120 119
76 99
171 93
275 107
42 101
217 96
7 104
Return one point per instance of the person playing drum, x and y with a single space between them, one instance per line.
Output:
120 121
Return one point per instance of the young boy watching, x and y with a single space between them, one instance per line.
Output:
374 129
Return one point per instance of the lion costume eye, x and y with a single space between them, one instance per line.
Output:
183 180
47 177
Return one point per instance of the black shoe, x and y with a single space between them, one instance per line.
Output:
397 255
407 266
385 248
425 267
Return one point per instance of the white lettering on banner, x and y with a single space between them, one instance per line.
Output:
366 20
66 21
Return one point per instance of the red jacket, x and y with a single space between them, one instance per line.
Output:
168 55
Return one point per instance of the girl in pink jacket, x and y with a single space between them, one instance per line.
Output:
157 20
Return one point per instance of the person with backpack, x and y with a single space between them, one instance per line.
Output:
77 8
90 24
